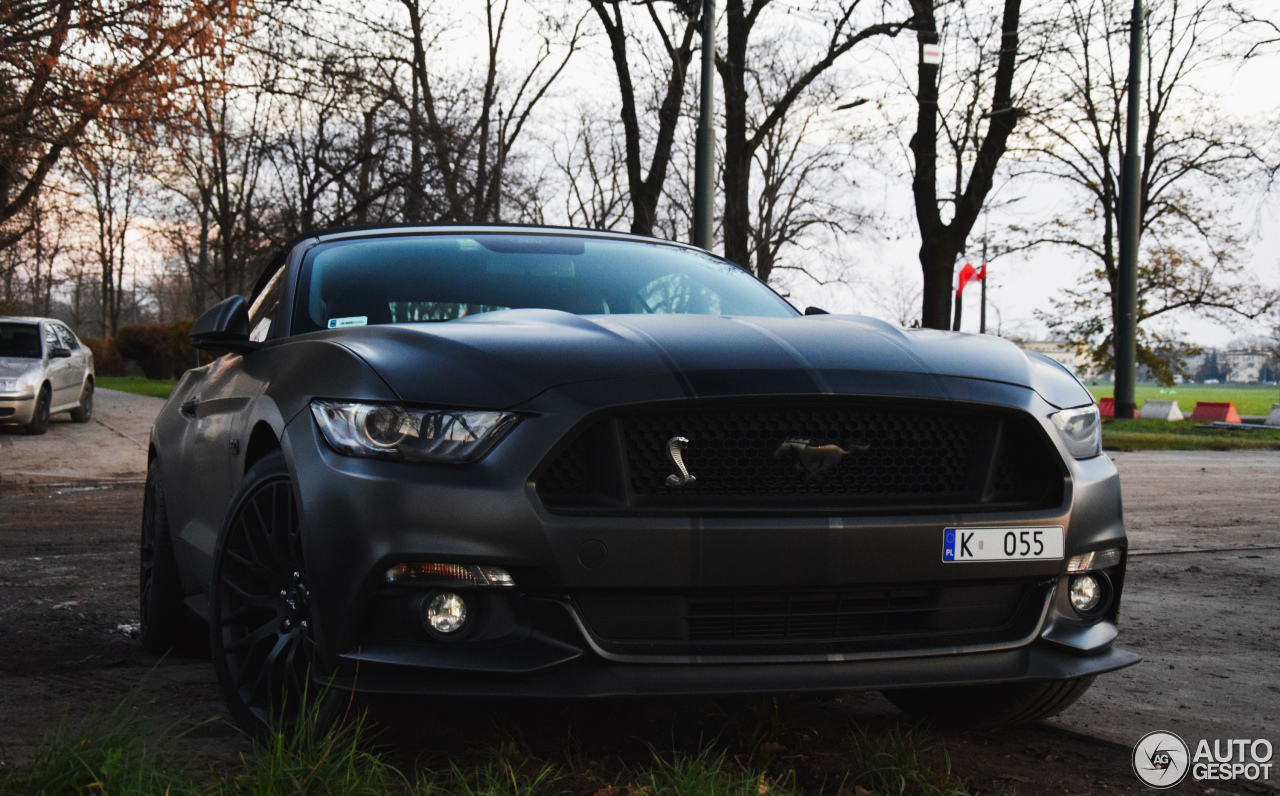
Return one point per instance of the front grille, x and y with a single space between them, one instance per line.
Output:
883 458
910 452
851 620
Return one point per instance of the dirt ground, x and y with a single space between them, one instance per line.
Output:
1201 604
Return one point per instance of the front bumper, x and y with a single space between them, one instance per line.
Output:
585 678
555 661
17 408
363 516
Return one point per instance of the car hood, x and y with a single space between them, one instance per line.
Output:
501 359
12 367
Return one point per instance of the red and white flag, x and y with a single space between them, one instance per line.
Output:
970 274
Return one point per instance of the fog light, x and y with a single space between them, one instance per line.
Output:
446 612
1086 593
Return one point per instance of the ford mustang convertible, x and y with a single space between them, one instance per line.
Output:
531 462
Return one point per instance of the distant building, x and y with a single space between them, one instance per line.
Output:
1059 351
1244 365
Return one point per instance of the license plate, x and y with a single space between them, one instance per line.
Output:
1002 544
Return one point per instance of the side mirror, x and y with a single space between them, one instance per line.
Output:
225 327
59 353
815 311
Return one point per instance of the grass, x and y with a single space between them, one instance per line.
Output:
1134 435
159 388
756 753
1250 399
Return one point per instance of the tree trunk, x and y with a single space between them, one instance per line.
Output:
937 265
941 244
646 191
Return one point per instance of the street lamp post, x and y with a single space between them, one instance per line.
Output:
1126 331
704 165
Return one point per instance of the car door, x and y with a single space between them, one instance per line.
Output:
209 413
56 369
215 438
77 364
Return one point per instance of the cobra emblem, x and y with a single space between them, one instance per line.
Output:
674 446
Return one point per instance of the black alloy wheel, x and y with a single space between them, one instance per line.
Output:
84 412
259 607
40 420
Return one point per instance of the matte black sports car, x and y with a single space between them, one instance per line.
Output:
492 461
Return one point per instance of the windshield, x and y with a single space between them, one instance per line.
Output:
412 279
21 340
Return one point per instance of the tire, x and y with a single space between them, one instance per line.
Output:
259 614
40 420
84 412
990 706
165 622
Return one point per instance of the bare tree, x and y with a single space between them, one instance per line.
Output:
468 132
591 160
898 296
802 191
980 117
109 165
667 75
30 268
1192 159
219 144
754 107
1266 31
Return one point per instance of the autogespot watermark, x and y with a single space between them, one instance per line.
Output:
1162 760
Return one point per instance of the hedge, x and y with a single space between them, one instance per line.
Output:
160 349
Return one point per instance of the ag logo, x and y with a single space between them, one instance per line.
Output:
1161 759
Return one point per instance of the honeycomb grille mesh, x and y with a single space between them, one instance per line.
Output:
1021 469
569 473
800 457
736 452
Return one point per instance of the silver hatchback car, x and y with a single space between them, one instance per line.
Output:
44 369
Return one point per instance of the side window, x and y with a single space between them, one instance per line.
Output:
51 340
69 341
264 307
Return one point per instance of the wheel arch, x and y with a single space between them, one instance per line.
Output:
262 440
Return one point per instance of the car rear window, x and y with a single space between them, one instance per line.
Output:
21 340
433 278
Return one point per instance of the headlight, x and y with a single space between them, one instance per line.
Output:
1081 430
389 431
27 381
